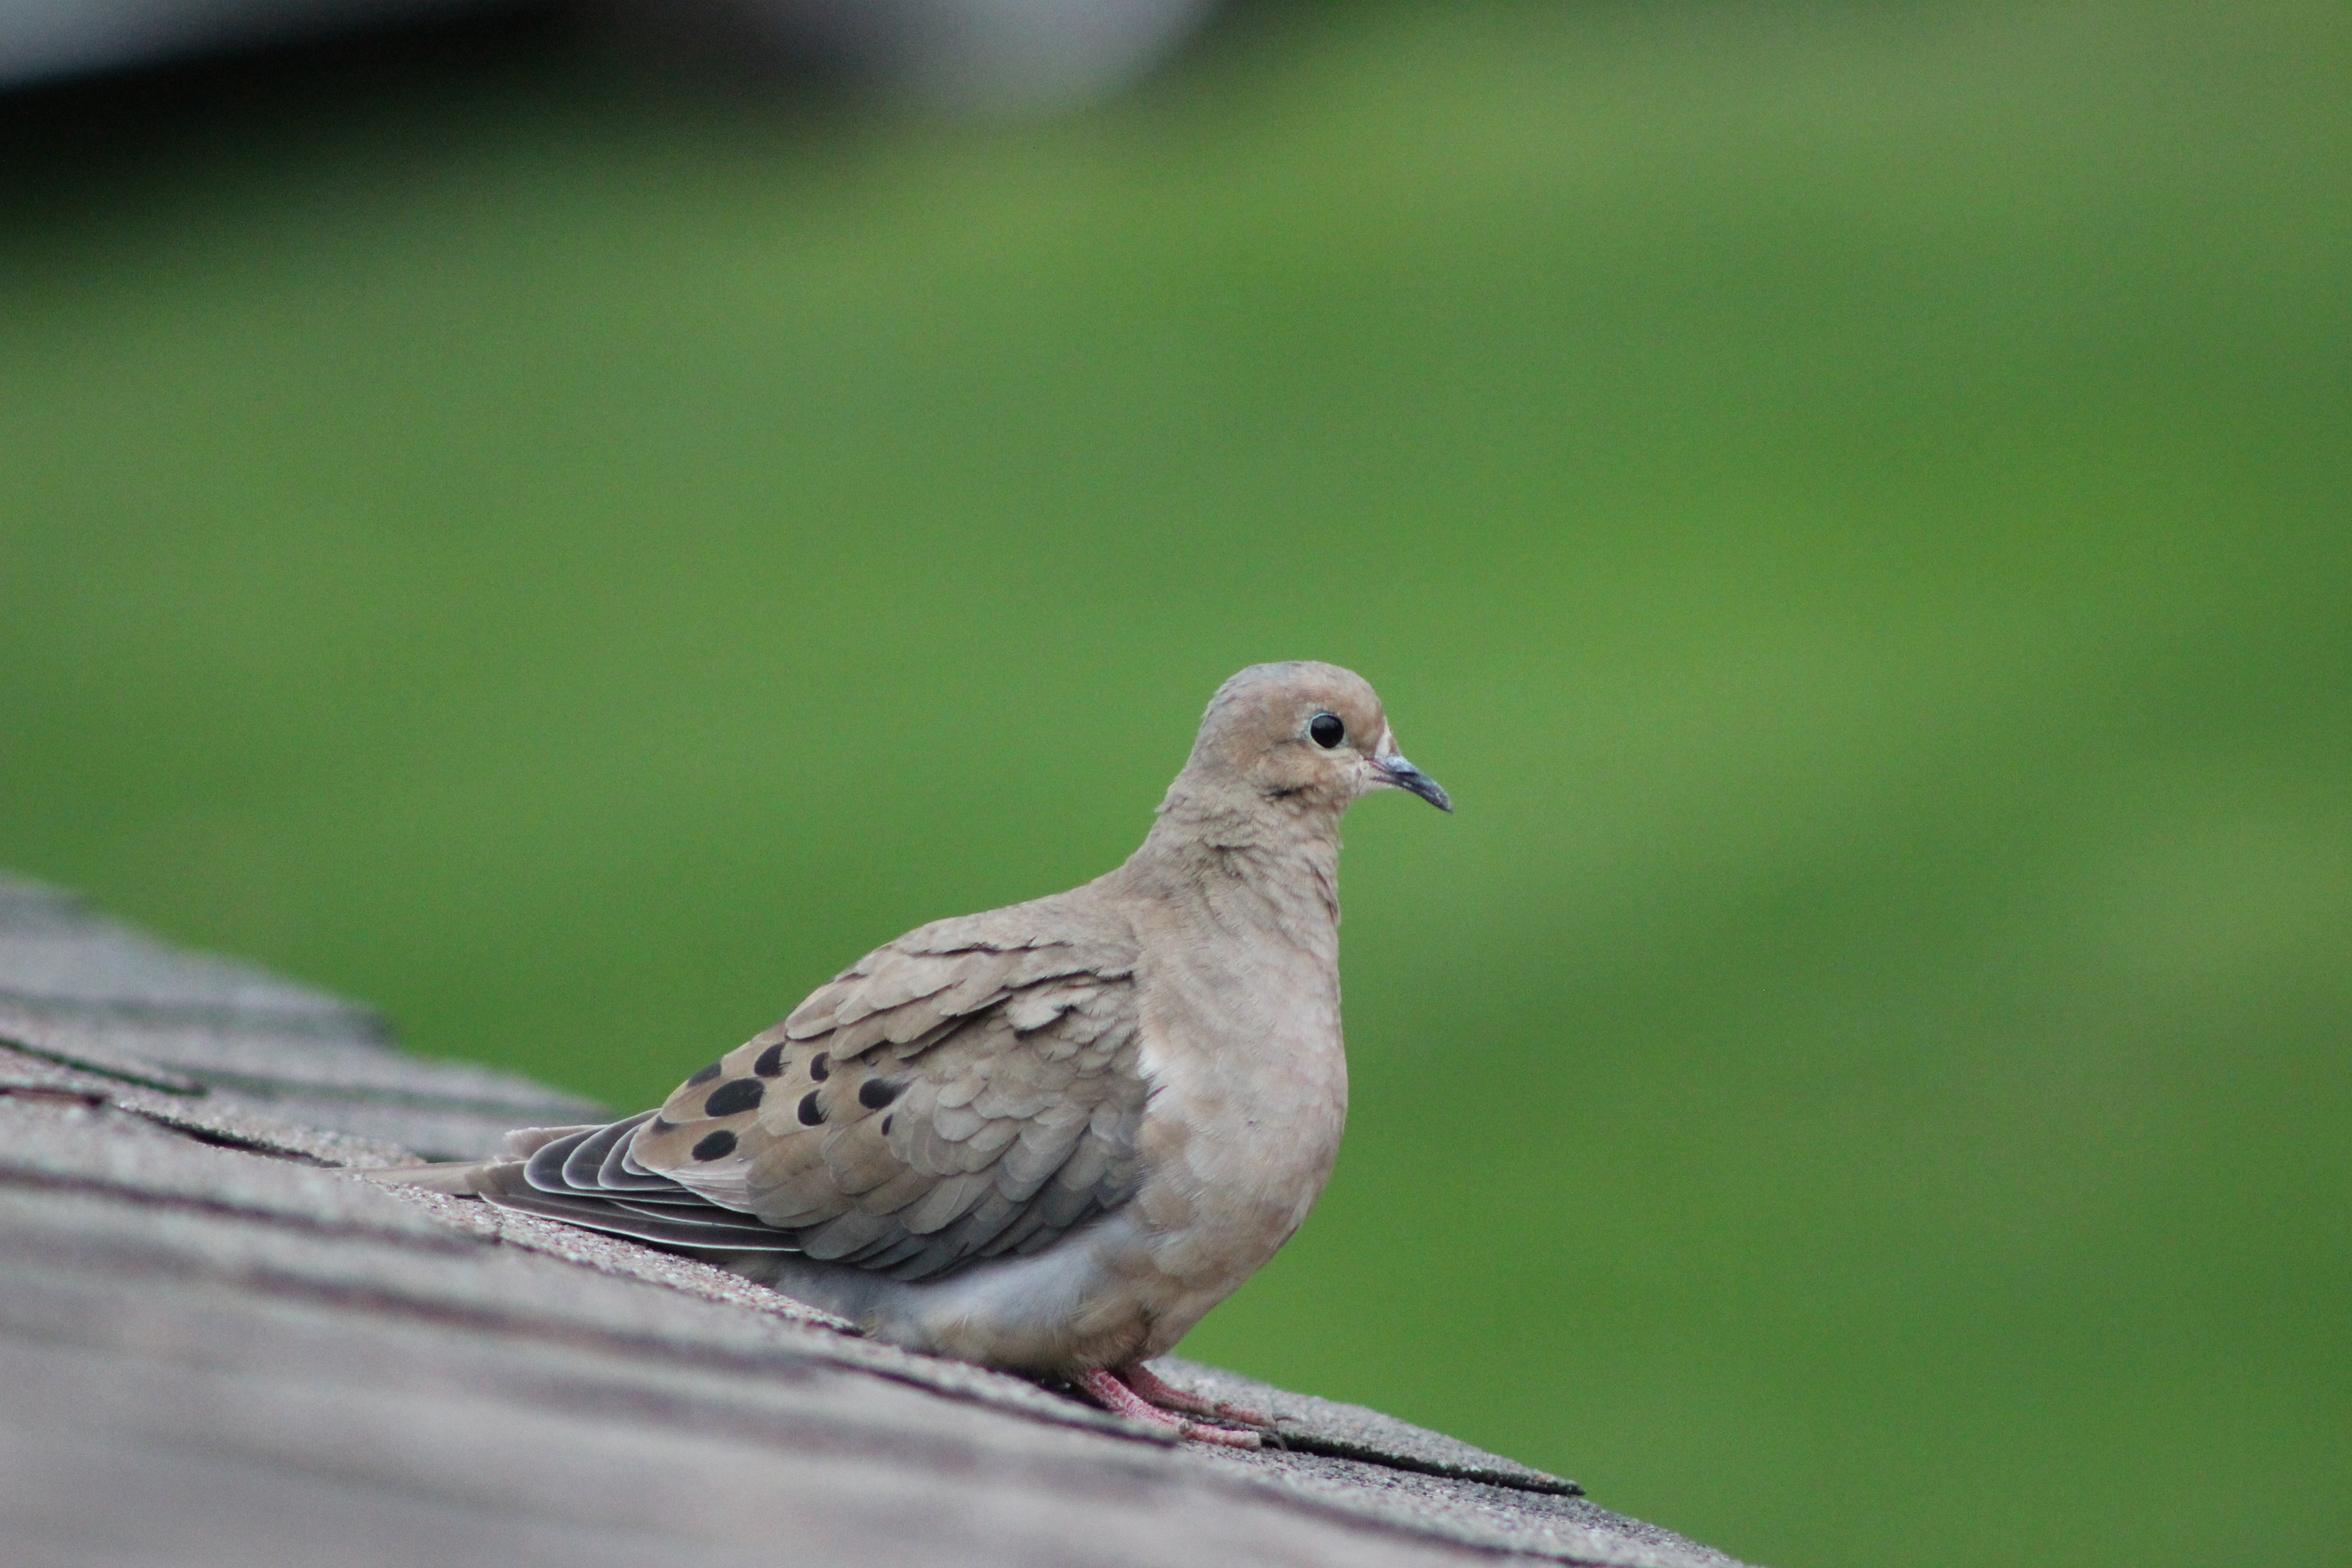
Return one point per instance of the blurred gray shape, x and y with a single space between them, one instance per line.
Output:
41 39
988 57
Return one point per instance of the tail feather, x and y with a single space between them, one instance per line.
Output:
683 1221
580 1175
462 1178
525 1142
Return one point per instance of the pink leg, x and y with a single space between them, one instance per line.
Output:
1118 1397
1168 1396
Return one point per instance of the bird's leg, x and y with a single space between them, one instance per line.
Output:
1115 1395
1159 1391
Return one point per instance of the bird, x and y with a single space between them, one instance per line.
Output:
1048 1138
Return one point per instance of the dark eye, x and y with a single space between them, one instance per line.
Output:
1327 730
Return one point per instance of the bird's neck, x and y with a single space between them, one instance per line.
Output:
1258 868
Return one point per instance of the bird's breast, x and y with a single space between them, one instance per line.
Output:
1248 1080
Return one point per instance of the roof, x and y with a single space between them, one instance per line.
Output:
217 1346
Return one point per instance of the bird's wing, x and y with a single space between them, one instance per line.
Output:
971 1089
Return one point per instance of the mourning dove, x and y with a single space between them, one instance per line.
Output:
1051 1137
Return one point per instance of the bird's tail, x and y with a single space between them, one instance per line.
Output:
465 1178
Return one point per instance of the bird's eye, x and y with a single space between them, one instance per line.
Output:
1327 730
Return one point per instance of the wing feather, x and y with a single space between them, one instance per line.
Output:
957 1094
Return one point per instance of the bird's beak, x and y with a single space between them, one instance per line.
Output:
1393 769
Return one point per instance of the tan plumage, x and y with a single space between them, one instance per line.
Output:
1052 1136
948 1097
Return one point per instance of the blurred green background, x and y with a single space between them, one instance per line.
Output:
1855 500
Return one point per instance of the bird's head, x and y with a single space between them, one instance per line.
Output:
1308 734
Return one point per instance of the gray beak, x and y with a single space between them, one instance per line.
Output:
1404 775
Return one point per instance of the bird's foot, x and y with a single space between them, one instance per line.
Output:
1135 1394
1159 1391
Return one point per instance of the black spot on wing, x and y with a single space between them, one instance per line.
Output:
705 1076
717 1146
821 1067
730 1098
809 1114
877 1093
772 1061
